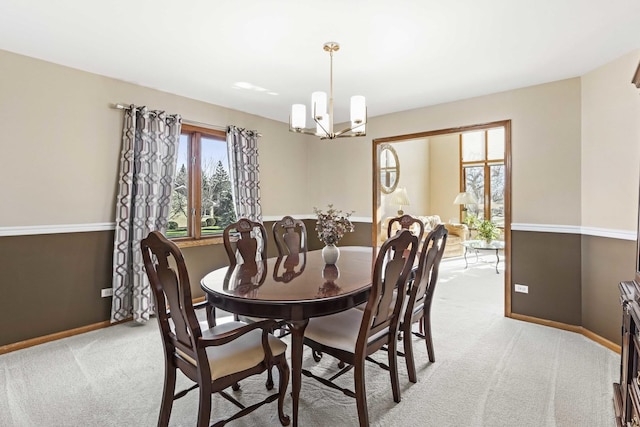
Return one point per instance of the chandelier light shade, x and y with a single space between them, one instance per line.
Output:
319 105
298 116
322 113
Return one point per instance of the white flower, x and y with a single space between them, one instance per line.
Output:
332 225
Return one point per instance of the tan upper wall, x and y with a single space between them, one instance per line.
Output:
545 150
445 176
413 158
611 145
61 144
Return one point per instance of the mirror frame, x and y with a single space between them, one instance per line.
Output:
390 189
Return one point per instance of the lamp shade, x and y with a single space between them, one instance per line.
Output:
298 116
465 198
319 104
400 197
358 110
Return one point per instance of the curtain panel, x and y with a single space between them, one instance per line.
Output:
245 172
147 169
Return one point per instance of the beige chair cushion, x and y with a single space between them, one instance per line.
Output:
338 330
240 354
458 233
460 230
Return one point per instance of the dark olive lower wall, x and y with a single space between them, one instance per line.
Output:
549 263
51 282
605 263
572 279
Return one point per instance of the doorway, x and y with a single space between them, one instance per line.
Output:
433 183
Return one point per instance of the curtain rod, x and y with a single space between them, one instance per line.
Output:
189 122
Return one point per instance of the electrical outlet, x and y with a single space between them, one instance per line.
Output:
522 288
106 292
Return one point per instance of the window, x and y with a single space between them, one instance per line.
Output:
483 172
201 200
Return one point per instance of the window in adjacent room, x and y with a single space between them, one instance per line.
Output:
201 200
483 172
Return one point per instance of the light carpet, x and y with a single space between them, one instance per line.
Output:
489 371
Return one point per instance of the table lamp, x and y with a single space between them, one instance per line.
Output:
400 198
465 198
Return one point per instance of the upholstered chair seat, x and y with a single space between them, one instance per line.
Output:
238 355
339 330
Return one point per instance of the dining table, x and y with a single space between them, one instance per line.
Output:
293 288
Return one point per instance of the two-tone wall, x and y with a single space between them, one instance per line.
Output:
60 147
59 153
575 157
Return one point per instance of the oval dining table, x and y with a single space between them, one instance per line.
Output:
293 288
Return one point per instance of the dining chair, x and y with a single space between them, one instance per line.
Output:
215 358
352 335
245 241
403 222
406 222
290 236
421 288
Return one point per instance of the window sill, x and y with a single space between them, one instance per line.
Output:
189 243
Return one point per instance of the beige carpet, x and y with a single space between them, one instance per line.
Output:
489 371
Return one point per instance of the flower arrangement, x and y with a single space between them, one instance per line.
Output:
332 224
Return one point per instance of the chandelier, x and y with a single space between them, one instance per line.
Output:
324 118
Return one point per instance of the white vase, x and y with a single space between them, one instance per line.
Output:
330 254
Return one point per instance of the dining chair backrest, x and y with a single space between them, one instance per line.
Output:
421 290
290 236
250 238
179 325
406 222
391 271
426 274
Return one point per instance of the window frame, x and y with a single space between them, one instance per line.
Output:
194 235
486 164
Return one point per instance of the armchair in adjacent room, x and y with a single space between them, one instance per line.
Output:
458 233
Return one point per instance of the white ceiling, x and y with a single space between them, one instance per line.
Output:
399 54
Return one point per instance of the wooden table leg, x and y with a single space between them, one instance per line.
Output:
297 341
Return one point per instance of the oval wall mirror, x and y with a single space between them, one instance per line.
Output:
389 169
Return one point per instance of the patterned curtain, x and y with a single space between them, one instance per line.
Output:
147 168
245 172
